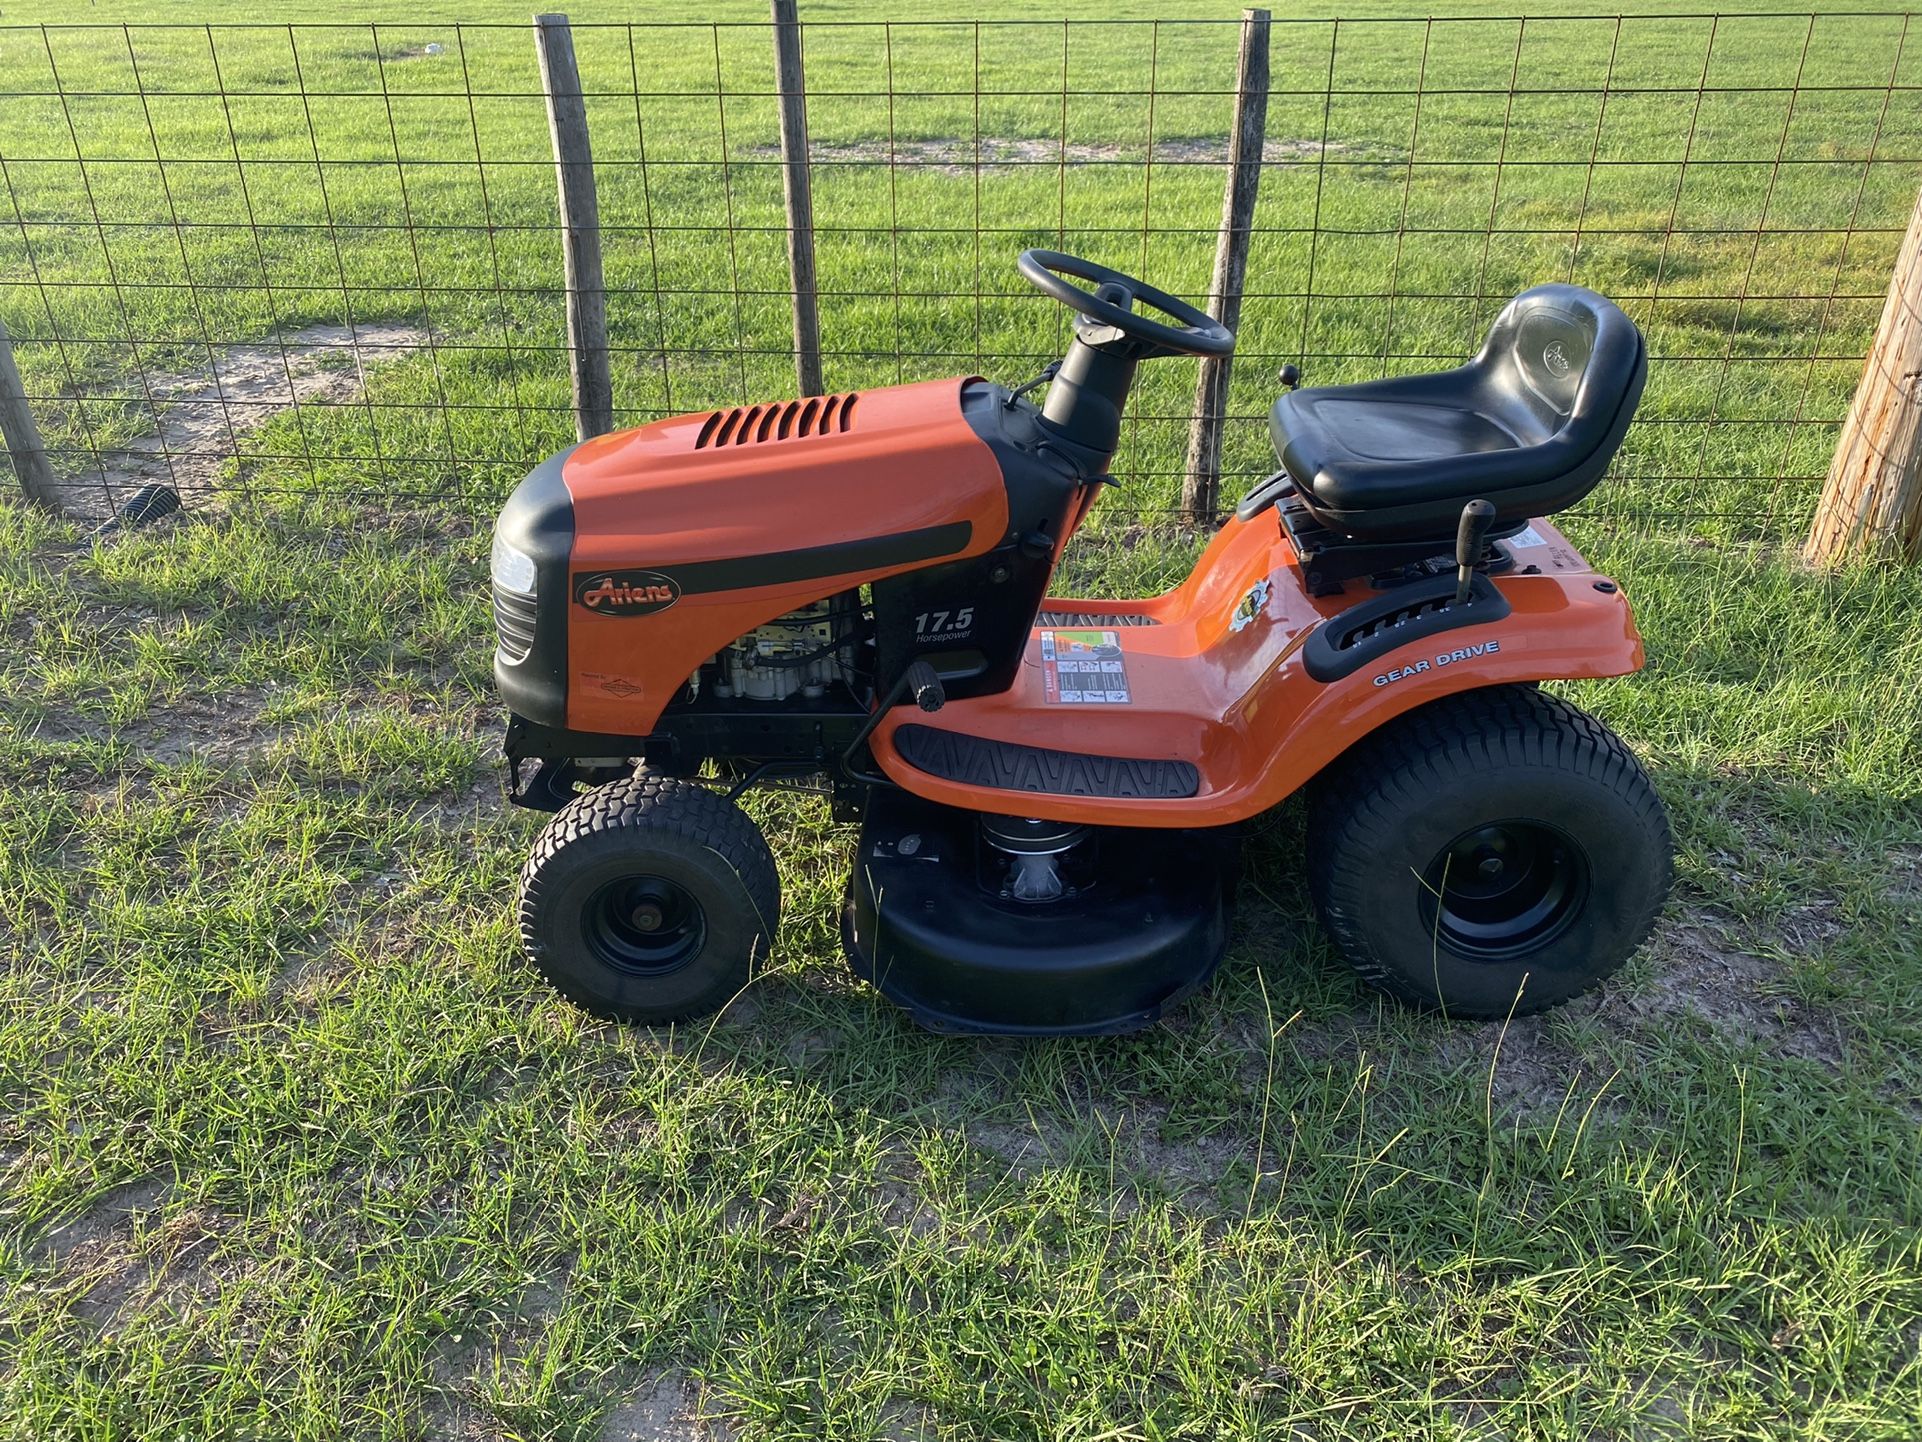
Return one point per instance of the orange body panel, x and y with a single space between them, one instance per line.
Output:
649 497
1240 705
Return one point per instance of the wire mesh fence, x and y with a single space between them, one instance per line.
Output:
254 259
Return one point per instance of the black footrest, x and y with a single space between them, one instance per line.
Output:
1006 766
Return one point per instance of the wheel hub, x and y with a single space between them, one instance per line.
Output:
644 925
1504 888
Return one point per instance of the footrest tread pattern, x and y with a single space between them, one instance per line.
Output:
1007 766
1063 619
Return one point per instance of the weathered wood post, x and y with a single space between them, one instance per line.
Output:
1872 501
580 227
1201 485
791 85
24 445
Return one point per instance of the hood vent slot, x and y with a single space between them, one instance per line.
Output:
785 421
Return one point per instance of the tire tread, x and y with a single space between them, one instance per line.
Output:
1360 799
657 802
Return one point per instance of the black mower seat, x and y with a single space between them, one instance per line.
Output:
1530 424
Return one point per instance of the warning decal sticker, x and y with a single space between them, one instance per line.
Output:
1083 668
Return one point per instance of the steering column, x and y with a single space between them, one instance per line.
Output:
1082 412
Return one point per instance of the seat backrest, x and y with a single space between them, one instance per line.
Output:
1561 359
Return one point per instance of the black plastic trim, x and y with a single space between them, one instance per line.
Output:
757 730
1000 589
1008 766
1343 644
811 563
538 520
1264 495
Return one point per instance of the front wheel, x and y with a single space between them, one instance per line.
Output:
649 899
1491 854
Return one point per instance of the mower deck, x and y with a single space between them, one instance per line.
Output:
920 924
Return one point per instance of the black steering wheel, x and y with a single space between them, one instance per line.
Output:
1198 334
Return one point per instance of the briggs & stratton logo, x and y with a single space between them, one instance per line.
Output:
626 593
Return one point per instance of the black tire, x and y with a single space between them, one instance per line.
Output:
649 899
1491 854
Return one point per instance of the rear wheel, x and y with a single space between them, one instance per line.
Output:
1491 854
649 899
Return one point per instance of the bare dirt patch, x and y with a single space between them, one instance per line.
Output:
119 1256
1905 868
666 1407
200 418
962 154
219 728
171 1270
1130 1142
112 1215
1731 993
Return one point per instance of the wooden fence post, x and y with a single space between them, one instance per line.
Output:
791 83
580 226
1872 501
1201 486
24 445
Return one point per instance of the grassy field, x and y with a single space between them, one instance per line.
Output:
292 1145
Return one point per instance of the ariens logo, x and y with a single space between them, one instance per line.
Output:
626 593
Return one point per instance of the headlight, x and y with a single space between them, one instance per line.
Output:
513 570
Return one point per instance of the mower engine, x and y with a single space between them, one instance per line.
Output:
804 651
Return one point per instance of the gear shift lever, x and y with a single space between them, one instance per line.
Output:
1477 517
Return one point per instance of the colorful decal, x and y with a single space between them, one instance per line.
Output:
1251 606
1083 668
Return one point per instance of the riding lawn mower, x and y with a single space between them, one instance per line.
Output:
1049 790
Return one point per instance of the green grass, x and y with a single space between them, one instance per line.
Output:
292 1144
296 1146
